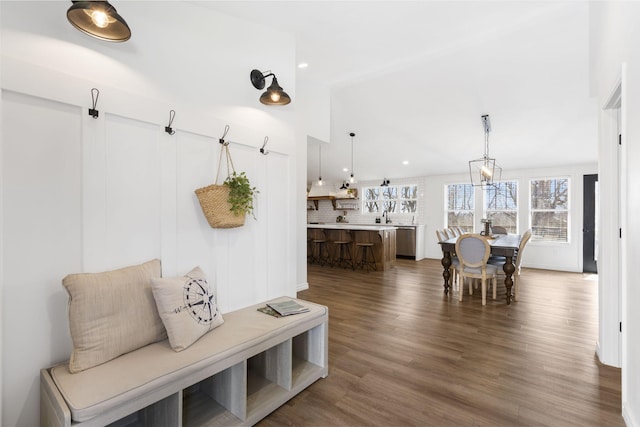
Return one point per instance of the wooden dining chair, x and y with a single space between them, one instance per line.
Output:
473 252
517 262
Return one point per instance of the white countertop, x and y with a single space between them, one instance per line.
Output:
347 226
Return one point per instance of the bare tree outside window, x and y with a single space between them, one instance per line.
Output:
501 205
392 198
550 209
460 206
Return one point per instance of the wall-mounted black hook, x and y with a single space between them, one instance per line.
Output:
221 140
262 150
167 129
93 112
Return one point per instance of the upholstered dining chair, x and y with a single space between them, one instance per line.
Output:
517 262
498 229
453 231
442 236
445 232
473 252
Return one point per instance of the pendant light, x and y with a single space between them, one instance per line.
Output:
351 177
320 164
99 19
485 172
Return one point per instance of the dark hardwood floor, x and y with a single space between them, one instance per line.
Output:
401 353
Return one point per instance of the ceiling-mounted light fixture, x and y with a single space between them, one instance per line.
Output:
320 164
99 19
385 182
274 95
352 179
486 171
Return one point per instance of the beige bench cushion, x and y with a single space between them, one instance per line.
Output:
107 386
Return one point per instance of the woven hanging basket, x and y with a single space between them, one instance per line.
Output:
216 208
214 199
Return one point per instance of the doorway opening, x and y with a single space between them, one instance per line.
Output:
590 224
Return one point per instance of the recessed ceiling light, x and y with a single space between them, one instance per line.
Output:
345 169
406 162
303 65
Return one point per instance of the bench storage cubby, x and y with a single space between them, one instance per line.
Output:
234 375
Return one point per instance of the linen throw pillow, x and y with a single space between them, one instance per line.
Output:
112 313
187 307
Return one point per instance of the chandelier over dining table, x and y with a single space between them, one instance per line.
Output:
485 172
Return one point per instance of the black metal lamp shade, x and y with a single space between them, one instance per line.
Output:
99 19
274 95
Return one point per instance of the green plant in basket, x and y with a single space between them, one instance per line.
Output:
241 194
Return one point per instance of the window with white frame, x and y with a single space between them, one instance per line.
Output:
550 209
392 198
501 205
460 206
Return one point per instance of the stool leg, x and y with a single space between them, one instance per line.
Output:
342 260
365 260
315 253
326 259
359 263
373 257
320 258
350 259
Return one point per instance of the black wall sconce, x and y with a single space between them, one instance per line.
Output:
385 182
274 95
99 19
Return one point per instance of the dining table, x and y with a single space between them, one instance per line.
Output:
505 245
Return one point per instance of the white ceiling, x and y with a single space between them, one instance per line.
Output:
413 78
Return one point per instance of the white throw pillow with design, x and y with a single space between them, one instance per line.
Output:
187 307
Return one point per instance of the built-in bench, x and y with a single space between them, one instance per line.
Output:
236 374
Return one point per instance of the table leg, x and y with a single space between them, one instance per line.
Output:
508 268
446 263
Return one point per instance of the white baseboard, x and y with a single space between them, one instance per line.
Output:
628 417
302 287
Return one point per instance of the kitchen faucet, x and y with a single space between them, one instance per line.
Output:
385 214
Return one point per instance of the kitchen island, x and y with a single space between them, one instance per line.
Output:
382 236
